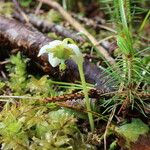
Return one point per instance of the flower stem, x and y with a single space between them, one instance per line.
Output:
85 91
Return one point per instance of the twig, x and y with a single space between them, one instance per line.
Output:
20 11
79 28
107 38
4 62
91 23
38 8
3 74
16 97
108 124
93 93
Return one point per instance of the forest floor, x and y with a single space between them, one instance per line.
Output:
74 75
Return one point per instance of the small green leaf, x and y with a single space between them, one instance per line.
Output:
62 66
123 45
113 145
14 127
53 16
2 84
131 131
41 129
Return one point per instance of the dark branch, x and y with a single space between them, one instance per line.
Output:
29 41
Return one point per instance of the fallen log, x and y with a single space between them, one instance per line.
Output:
29 41
45 26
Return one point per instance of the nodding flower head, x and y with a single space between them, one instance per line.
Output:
59 51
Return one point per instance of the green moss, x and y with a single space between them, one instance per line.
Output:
6 8
30 127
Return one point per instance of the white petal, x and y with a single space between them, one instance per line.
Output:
51 45
53 60
43 50
75 48
55 43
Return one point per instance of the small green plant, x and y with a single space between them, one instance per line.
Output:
130 72
58 52
18 75
20 83
40 86
53 16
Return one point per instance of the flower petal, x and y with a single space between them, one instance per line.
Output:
51 45
53 60
55 43
43 50
75 48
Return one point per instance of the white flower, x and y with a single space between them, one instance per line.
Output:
58 51
52 60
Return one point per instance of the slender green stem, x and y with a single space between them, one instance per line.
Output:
129 61
64 3
144 21
85 91
130 74
122 13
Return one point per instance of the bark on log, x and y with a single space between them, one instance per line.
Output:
29 41
46 26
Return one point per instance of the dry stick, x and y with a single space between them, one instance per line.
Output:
79 28
107 126
92 23
93 93
20 11
38 8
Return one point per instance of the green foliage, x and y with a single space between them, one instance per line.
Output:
25 3
2 84
30 125
17 73
125 44
61 52
40 87
53 16
6 8
113 145
34 127
133 9
144 21
21 83
130 72
131 131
